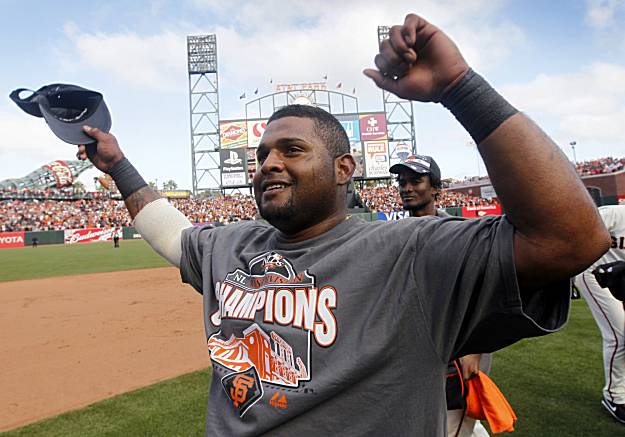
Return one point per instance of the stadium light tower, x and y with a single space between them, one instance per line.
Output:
204 111
573 144
399 116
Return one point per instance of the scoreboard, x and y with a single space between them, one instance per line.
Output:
367 133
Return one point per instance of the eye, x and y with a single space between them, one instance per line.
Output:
261 156
291 150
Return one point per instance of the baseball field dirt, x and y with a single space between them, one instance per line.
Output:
70 341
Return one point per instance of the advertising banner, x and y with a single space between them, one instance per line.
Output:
11 239
255 130
487 192
61 172
232 134
393 215
73 236
175 194
376 159
402 151
351 124
233 167
480 211
373 126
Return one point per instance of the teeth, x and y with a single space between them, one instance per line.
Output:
275 187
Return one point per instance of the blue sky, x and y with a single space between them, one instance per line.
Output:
559 61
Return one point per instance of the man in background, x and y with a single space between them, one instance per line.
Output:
419 185
609 314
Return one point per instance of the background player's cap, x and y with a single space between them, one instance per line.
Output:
66 109
419 163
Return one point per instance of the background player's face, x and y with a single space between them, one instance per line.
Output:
415 189
295 184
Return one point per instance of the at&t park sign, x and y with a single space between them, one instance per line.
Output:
320 86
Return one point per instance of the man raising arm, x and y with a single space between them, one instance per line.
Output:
532 177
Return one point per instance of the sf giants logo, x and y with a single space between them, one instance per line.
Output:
243 389
240 386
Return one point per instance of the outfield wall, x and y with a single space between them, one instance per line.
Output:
79 236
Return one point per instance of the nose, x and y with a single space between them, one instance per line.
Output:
406 188
273 163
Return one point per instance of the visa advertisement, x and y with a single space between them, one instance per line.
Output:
393 215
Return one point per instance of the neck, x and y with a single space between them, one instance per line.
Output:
317 229
428 209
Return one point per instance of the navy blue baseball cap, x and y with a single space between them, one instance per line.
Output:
420 164
66 108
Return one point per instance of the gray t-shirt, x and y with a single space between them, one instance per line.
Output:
350 332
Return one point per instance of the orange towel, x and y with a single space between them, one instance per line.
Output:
485 401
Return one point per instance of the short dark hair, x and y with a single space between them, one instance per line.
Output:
327 127
435 181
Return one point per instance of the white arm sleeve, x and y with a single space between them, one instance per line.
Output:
161 225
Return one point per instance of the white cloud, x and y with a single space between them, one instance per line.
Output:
152 61
27 143
601 14
587 106
289 41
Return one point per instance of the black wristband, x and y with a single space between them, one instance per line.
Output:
127 178
477 106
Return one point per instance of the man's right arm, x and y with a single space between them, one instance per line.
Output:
531 175
158 222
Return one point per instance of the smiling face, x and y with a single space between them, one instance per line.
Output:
295 185
416 192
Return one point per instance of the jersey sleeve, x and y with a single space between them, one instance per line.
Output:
609 216
196 245
470 296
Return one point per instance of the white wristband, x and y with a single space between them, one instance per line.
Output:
161 225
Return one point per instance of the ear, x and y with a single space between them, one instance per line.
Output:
344 167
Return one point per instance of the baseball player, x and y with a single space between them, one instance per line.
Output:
419 182
609 314
320 324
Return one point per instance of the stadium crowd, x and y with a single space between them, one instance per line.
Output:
53 215
66 208
96 210
226 209
592 167
600 166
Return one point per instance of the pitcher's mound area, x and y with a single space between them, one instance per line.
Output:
68 342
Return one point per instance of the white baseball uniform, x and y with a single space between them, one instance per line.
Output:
608 311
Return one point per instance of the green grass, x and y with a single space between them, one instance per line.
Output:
553 383
171 408
76 259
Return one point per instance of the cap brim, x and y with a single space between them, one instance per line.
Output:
397 167
72 133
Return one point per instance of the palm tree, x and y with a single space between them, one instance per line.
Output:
170 185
